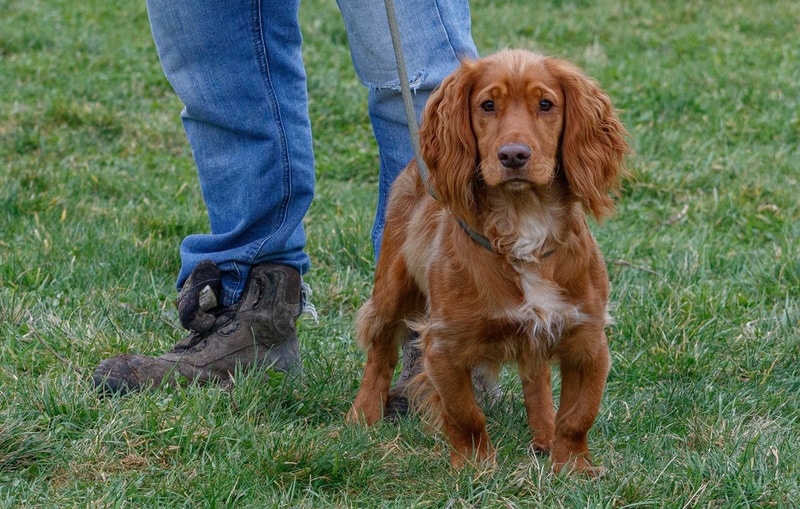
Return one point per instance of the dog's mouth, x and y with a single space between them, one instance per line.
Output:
517 185
513 180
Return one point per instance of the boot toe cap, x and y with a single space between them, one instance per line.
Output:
115 376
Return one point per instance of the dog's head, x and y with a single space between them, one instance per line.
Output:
517 120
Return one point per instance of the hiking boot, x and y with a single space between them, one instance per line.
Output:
258 330
397 401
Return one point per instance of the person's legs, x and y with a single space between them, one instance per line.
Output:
238 69
436 36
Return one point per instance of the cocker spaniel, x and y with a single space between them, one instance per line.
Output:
520 147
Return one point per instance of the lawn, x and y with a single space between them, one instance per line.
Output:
97 188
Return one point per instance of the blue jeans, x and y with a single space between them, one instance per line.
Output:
237 67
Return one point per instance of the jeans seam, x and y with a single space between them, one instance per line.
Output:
230 296
446 31
261 53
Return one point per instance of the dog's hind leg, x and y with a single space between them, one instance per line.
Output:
381 328
381 339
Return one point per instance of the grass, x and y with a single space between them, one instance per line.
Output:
98 188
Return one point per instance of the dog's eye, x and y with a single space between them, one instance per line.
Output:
545 105
488 106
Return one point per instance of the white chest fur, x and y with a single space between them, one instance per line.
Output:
544 313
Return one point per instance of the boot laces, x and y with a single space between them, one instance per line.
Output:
223 316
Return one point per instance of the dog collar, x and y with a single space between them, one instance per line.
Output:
477 237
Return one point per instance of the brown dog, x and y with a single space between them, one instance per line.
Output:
519 147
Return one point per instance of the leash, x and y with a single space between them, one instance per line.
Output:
405 91
411 118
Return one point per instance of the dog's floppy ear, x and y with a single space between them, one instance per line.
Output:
447 142
593 143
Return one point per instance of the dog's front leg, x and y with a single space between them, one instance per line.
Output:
463 422
537 389
584 363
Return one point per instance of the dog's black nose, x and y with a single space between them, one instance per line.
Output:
514 155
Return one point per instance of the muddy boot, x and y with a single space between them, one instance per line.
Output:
397 402
258 330
487 390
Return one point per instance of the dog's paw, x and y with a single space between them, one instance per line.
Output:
360 414
483 456
541 446
579 465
